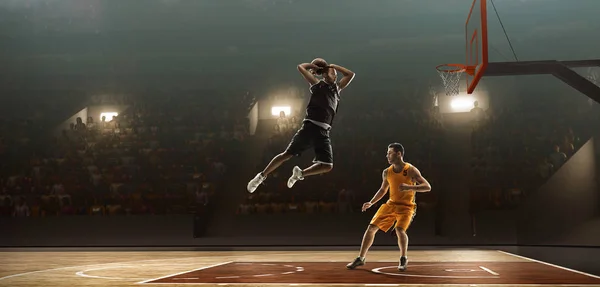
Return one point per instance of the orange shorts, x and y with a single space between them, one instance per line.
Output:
387 214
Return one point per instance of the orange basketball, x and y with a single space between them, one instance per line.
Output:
319 62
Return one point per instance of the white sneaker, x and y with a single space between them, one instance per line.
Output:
255 182
296 176
403 263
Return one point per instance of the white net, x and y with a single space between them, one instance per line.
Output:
434 94
451 79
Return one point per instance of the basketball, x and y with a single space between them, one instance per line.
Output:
319 62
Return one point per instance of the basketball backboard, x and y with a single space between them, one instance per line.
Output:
476 43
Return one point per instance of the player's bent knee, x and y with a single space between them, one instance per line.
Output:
286 155
400 230
372 228
326 166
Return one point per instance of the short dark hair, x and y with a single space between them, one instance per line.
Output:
396 147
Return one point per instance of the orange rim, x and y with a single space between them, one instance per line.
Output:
451 68
455 68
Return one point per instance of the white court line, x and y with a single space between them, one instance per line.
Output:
188 271
88 265
298 269
378 270
549 264
262 275
82 273
44 270
130 262
489 271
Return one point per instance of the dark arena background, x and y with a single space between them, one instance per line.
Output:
130 130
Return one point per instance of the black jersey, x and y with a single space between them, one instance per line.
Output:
323 103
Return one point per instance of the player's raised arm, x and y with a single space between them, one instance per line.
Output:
308 76
347 76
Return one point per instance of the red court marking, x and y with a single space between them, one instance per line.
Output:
513 273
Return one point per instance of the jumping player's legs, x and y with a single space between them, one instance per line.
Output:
277 161
323 161
300 142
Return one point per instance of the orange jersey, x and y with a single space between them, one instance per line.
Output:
397 196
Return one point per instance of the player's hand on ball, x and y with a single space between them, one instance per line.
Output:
405 187
366 206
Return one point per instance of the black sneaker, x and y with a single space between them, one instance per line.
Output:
403 262
357 262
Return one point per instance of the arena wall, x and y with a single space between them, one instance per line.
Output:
565 211
265 230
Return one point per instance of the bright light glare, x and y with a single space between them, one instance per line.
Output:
109 116
276 110
462 103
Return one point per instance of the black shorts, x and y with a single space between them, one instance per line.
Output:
311 135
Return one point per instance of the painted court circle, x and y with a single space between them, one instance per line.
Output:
408 274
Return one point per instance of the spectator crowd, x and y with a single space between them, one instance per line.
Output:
170 155
162 155
517 149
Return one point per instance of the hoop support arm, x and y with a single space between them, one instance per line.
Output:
559 69
533 67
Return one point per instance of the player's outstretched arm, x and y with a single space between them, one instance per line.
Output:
383 189
308 76
348 76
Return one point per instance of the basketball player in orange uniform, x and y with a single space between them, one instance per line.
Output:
403 181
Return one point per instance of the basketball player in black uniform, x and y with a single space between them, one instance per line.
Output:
321 109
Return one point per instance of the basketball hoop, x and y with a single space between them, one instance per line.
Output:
451 74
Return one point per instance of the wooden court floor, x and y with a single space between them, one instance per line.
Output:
276 268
